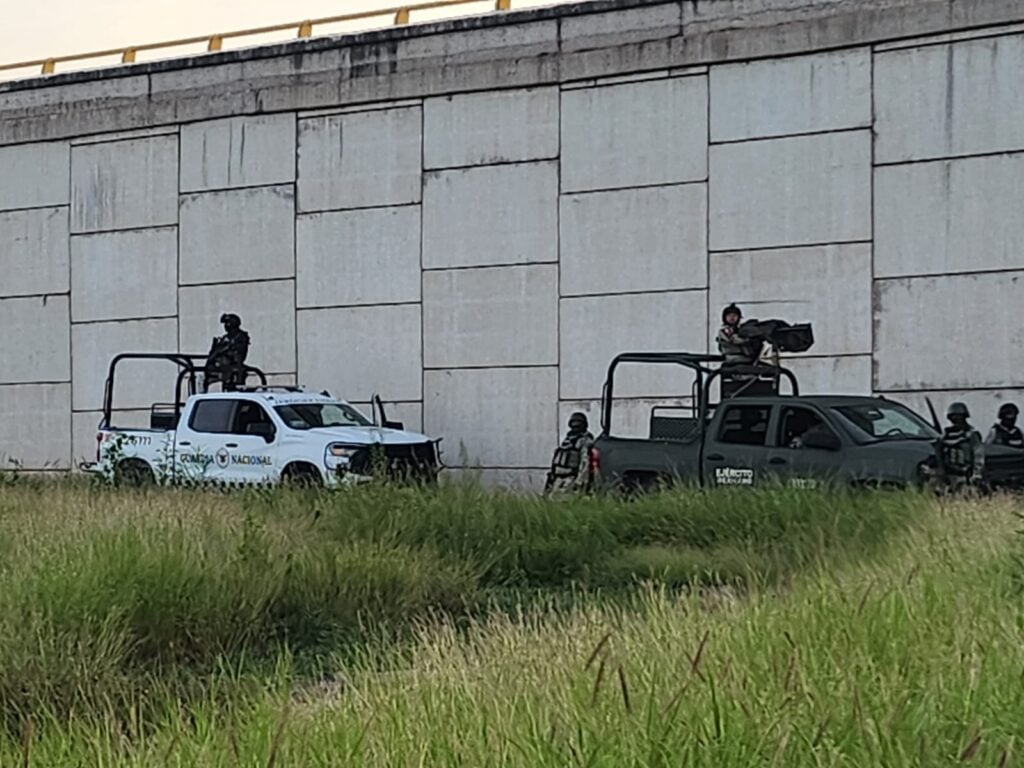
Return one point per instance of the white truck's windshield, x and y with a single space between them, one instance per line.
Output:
874 422
319 415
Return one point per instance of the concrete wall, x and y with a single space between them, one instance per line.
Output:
471 218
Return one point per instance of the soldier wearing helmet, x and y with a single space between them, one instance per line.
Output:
962 449
570 464
731 344
1005 431
226 359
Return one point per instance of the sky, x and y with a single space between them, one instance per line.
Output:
39 30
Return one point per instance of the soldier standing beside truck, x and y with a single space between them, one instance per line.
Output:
961 452
570 464
1005 431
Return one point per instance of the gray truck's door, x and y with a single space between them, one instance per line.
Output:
797 464
737 450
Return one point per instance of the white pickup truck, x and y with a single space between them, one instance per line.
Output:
258 436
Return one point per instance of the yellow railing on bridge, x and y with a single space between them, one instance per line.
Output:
401 15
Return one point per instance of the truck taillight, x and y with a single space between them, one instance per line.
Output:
594 460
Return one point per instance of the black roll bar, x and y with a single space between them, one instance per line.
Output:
705 376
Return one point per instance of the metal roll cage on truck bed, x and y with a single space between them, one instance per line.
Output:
758 379
189 369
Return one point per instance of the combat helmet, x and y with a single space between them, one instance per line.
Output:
230 319
958 409
579 420
1006 410
732 308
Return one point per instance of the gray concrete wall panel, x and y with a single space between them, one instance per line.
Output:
369 256
491 316
937 101
35 426
967 345
829 286
355 352
34 251
140 383
360 159
791 191
820 93
34 343
35 175
506 214
847 375
238 152
634 134
595 329
124 184
124 275
493 417
267 310
647 239
245 234
487 128
949 216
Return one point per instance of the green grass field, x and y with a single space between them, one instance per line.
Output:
460 627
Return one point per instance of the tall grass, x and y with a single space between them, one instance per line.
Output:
134 626
524 541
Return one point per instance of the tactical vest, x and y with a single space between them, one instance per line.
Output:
957 451
1012 438
567 457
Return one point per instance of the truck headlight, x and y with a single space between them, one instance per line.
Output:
341 451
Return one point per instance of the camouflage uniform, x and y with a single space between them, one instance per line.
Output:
1005 431
570 464
731 344
962 452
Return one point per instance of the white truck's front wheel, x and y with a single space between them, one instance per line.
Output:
301 475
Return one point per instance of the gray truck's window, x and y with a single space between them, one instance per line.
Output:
745 425
212 416
795 422
873 422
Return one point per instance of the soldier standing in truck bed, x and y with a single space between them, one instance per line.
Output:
731 344
226 359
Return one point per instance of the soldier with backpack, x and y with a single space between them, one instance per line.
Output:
570 463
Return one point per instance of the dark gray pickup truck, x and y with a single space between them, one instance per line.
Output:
756 435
